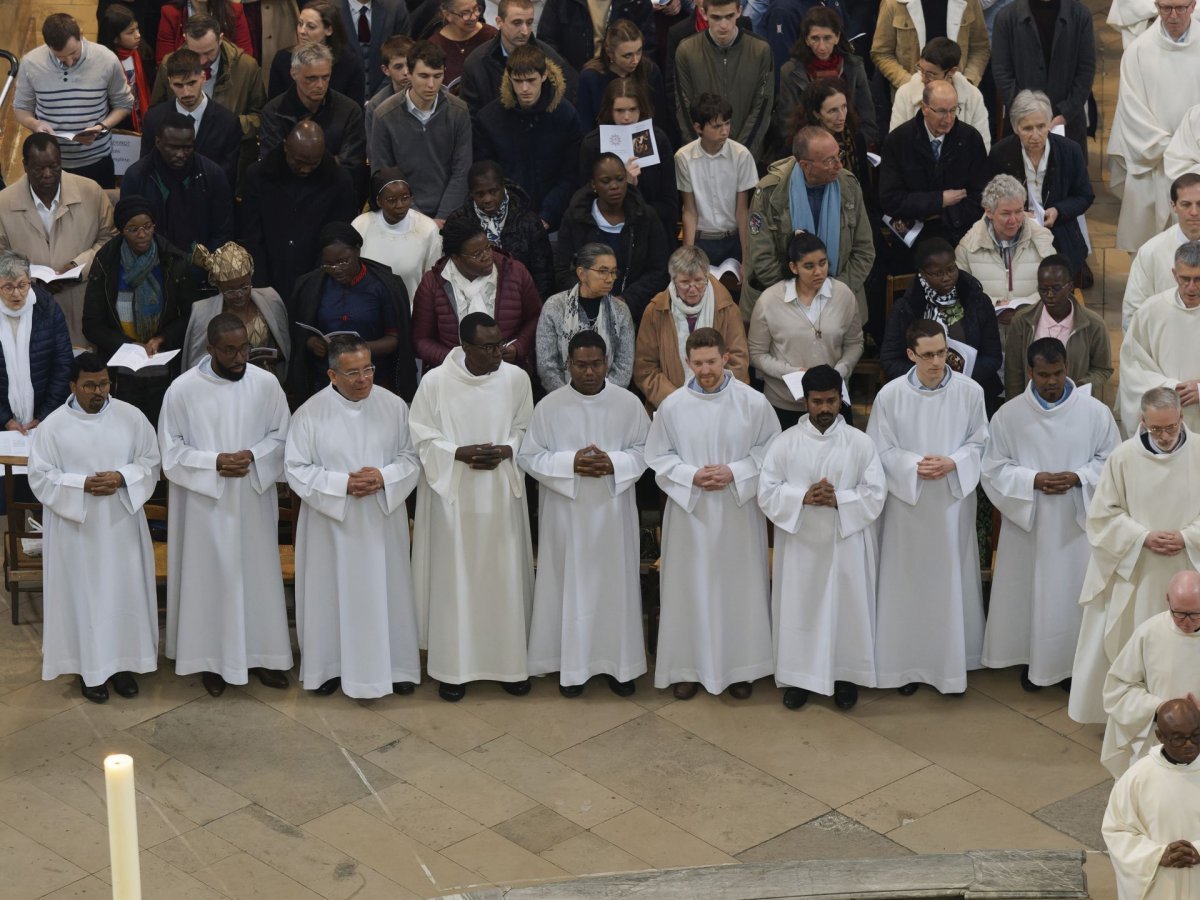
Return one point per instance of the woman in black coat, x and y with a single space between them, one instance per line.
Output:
956 299
631 228
43 349
321 21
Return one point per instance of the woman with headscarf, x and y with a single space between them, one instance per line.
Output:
230 267
349 293
35 348
394 233
588 306
140 290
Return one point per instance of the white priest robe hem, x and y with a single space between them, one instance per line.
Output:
1125 583
1160 82
472 553
100 611
1159 350
1150 272
1151 805
355 616
825 563
1158 663
714 621
225 603
587 609
929 621
1043 550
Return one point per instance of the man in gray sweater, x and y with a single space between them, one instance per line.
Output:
427 133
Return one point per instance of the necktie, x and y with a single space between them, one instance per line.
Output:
208 72
191 119
364 27
936 147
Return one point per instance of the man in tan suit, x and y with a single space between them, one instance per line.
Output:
58 220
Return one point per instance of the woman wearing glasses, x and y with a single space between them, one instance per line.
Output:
140 290
347 293
471 277
588 306
944 293
462 31
230 268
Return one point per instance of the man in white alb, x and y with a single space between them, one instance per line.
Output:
1150 271
472 554
706 446
585 447
929 428
92 465
350 459
823 486
1044 455
222 431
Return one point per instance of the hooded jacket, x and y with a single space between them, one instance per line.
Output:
523 237
538 148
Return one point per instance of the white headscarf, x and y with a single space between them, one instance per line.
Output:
15 344
680 311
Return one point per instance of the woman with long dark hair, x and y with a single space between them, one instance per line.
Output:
826 104
621 59
119 32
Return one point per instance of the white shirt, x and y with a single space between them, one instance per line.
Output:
813 310
195 114
356 8
1035 178
46 213
715 180
422 116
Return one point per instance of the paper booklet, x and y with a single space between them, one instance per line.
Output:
328 337
1014 303
909 237
967 352
47 274
133 356
631 141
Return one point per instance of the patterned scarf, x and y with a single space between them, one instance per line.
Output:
147 290
943 308
493 226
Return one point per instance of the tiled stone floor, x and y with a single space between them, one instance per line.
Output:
280 795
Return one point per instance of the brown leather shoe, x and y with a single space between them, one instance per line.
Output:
741 690
685 690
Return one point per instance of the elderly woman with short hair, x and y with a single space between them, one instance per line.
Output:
1003 248
693 299
35 348
1053 170
230 267
588 306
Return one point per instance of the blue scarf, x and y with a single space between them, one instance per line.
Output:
147 289
830 229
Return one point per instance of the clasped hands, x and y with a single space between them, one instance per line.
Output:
1164 543
821 494
234 465
483 456
931 468
1179 855
1055 482
713 478
103 484
592 462
365 482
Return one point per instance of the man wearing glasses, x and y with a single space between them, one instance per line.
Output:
1144 527
472 556
1161 660
1160 82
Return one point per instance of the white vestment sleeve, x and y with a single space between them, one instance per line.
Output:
745 470
322 489
554 469
671 473
1116 537
965 477
899 465
1135 856
141 475
1127 700
400 476
629 464
781 501
267 467
60 492
520 424
1140 371
1008 484
859 507
1089 475
192 469
435 449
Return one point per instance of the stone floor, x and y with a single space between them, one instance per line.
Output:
280 794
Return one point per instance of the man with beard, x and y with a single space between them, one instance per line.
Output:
823 486
188 193
222 432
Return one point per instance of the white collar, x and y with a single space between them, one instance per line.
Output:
37 201
198 113
790 295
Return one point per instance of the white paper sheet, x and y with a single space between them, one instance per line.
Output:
133 356
47 274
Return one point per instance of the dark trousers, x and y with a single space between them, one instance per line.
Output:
720 249
101 172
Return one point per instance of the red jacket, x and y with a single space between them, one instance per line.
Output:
170 30
435 317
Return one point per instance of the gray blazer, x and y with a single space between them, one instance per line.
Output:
195 342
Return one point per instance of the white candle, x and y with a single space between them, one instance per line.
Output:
122 827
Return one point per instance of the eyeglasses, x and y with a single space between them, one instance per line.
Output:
340 264
606 273
828 162
939 274
932 355
479 256
94 387
15 290
1184 616
1169 11
488 348
1049 290
243 350
139 229
466 15
355 374
941 113
1164 430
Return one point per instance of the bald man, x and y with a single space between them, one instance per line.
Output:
1153 813
287 198
1161 660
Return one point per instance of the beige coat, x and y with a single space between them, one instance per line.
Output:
900 35
657 368
278 30
976 253
83 223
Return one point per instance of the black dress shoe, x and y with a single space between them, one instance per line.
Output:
97 694
570 690
451 693
125 684
794 697
1028 685
845 694
273 678
328 687
403 688
517 688
213 683
909 689
685 690
1065 684
741 690
621 688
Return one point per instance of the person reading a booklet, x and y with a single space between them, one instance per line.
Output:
1058 314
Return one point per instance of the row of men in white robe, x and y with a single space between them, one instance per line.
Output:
472 599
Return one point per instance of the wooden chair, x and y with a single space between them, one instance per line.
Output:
871 369
22 572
